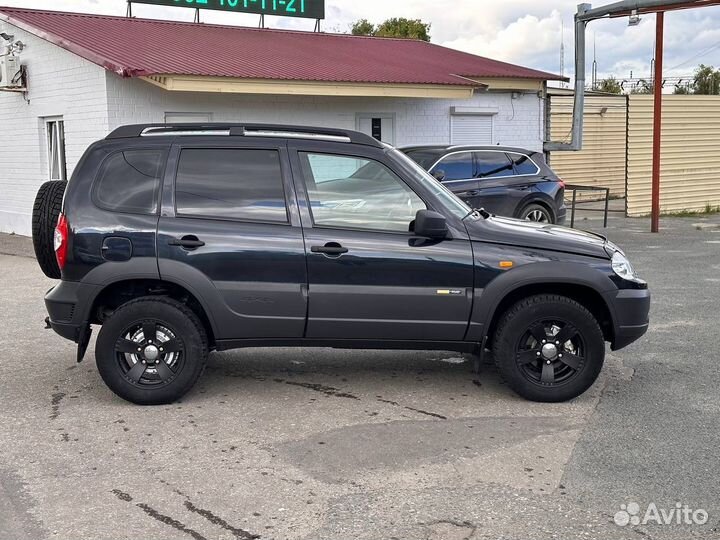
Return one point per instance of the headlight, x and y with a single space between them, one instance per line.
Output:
622 267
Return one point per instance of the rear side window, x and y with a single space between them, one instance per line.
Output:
523 164
456 166
230 183
493 164
129 181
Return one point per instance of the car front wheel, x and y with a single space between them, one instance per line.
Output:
549 348
151 350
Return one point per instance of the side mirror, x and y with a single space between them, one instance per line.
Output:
439 175
430 224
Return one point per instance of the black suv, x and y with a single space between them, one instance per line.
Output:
183 239
505 181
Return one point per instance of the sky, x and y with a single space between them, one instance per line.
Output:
525 32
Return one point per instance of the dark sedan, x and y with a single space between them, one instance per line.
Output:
505 181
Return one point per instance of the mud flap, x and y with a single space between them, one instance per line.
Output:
479 354
83 341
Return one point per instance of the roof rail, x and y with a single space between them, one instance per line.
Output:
244 130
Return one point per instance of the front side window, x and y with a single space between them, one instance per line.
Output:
492 165
524 165
55 131
356 193
129 181
230 183
456 166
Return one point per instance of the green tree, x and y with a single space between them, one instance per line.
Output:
363 27
609 85
706 80
398 27
682 89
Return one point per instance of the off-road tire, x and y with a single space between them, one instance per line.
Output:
516 321
48 203
165 312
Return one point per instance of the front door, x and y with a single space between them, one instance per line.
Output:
369 277
230 232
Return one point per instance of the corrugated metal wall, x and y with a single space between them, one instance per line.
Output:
690 163
601 162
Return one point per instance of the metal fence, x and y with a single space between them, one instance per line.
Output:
617 149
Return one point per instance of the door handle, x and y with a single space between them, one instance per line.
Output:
331 248
471 193
189 242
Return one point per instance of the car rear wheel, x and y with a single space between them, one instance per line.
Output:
537 213
48 203
549 348
151 351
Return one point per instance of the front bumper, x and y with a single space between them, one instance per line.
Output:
68 305
632 309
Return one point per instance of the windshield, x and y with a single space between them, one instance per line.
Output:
450 201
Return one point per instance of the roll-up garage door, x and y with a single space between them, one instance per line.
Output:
471 129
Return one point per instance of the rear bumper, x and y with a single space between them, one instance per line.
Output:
67 305
632 309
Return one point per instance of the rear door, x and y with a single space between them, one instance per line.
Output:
505 180
230 232
369 277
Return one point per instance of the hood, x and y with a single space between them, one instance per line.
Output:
522 233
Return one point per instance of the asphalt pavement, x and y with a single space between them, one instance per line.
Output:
329 444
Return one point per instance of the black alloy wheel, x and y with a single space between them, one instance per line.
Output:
548 348
151 350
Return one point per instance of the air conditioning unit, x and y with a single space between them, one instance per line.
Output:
10 72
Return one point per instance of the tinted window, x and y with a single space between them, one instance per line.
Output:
456 166
230 183
523 164
355 193
493 164
424 158
129 181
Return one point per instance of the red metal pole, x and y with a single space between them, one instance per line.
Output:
657 121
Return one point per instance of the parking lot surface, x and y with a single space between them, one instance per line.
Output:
329 444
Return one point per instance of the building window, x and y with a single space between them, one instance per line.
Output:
471 129
55 130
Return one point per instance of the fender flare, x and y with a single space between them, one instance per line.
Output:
489 299
111 273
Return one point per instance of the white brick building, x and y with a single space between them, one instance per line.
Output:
77 88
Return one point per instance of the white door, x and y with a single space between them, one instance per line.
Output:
382 127
471 129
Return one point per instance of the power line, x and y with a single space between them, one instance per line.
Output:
698 55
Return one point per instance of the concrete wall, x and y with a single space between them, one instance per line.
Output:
61 84
519 122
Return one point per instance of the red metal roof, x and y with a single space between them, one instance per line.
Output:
142 47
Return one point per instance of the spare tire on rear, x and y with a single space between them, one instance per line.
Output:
48 203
